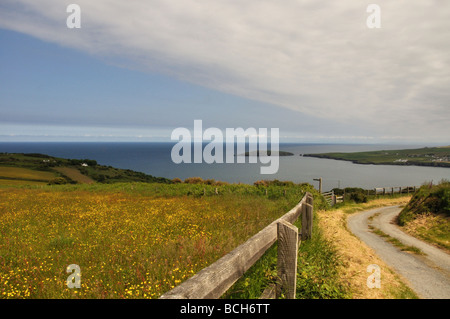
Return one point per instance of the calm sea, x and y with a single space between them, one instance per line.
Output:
155 159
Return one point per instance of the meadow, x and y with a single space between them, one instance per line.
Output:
24 174
131 240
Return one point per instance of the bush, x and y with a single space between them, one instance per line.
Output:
260 183
358 197
194 180
275 182
58 181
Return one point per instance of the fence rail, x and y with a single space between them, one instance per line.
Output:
333 199
214 280
393 190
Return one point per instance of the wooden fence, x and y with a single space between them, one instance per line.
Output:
332 199
392 190
214 280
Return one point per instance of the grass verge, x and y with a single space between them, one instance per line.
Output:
427 215
317 275
396 242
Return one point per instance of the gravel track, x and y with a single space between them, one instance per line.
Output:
428 275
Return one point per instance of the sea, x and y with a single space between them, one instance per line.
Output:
155 159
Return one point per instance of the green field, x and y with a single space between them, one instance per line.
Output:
428 156
24 176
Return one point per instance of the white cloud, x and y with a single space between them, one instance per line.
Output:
313 56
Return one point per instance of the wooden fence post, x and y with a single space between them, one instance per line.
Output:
287 260
307 216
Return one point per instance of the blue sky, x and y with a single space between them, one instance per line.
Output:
310 68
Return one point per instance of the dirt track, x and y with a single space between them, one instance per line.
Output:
428 275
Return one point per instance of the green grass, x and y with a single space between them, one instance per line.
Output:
428 199
427 215
18 182
317 274
25 174
396 242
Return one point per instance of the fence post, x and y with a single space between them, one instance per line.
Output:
287 259
307 216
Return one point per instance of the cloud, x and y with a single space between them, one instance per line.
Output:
312 56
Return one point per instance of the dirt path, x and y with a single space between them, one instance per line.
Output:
427 275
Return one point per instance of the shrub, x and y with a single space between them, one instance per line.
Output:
58 181
260 183
209 182
177 181
194 180
358 197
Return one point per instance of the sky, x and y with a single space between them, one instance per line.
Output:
136 70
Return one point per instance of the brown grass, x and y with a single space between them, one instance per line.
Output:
75 175
357 256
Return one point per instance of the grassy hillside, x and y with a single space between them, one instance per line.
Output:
48 169
428 156
427 215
